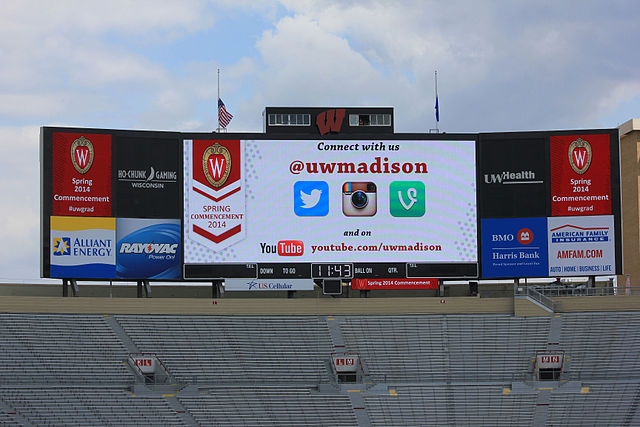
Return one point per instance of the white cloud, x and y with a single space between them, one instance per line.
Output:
305 65
502 65
20 209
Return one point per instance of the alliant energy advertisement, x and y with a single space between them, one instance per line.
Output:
327 201
83 247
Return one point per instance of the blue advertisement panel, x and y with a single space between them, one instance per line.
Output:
514 247
582 246
148 248
82 248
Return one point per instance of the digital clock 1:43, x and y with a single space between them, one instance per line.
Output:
332 270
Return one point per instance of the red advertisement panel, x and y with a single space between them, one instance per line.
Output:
580 175
214 163
393 284
81 174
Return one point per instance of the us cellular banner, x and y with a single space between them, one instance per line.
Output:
83 248
581 246
148 248
268 285
341 200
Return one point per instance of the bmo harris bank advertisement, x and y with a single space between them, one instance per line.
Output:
553 246
314 201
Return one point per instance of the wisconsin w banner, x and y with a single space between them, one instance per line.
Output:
215 197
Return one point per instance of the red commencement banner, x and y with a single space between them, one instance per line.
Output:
393 284
81 174
580 175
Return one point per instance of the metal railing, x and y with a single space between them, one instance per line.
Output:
583 290
569 290
534 293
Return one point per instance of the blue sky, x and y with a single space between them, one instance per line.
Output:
152 64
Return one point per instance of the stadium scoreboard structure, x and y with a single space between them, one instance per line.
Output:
327 194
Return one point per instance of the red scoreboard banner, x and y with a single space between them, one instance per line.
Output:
580 175
81 174
393 284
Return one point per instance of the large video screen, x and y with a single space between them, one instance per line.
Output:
339 201
170 206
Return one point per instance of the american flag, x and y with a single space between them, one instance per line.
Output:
224 117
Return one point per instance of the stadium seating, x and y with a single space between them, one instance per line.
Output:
269 406
69 349
451 347
613 403
89 406
450 404
434 369
231 349
599 343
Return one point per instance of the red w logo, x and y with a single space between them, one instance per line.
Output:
580 157
217 165
330 121
83 154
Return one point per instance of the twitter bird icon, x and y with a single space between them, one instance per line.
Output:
311 198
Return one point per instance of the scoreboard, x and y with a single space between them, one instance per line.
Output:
171 206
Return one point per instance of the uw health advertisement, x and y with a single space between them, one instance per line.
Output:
577 236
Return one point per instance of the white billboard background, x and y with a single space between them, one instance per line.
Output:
449 220
581 245
268 284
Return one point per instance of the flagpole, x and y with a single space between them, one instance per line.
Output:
218 100
437 106
224 116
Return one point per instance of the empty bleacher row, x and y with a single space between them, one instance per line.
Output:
233 349
445 347
598 345
88 406
60 349
275 370
607 403
459 405
269 406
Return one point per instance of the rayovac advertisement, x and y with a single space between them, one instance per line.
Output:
148 248
81 174
309 201
110 248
